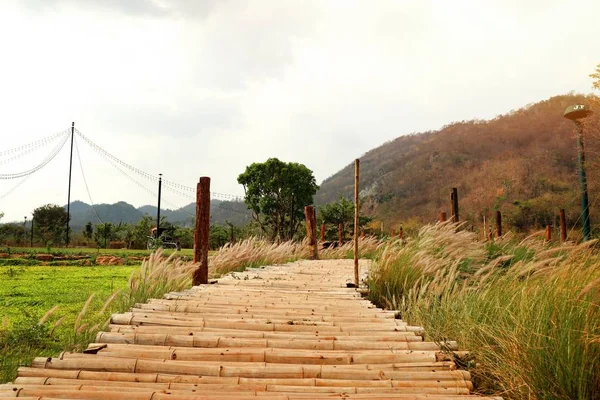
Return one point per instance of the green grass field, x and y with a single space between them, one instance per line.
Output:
27 293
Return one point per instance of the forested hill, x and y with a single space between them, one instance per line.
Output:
522 162
220 211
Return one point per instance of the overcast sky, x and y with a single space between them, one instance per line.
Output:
194 88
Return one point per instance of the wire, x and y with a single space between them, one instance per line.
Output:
26 151
85 182
16 186
170 185
42 142
45 162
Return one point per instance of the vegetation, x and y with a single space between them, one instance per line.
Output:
522 163
50 224
277 193
528 312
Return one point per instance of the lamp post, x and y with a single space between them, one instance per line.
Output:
576 113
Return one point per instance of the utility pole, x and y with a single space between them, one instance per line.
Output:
25 232
575 113
31 241
69 195
158 211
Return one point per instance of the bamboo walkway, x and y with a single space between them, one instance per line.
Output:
288 332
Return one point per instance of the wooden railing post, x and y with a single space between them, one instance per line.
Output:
311 231
340 234
548 233
322 232
200 275
443 217
563 226
498 224
454 204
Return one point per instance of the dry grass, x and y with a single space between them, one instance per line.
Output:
528 312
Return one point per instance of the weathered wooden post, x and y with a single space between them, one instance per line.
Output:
498 224
356 218
454 204
311 231
401 234
393 233
322 232
548 233
200 275
563 226
443 217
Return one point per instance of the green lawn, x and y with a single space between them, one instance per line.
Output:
27 293
90 251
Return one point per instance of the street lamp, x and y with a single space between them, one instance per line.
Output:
576 113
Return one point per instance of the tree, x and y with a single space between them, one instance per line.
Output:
103 234
50 224
340 213
596 77
277 192
89 230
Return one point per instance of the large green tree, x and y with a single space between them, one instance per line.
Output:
277 192
50 224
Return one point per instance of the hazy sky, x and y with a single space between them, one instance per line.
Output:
194 88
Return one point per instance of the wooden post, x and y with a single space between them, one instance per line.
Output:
548 233
498 224
362 234
484 229
322 232
443 217
563 226
401 234
200 275
356 219
311 231
341 234
393 234
454 204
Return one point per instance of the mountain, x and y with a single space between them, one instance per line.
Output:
221 211
522 163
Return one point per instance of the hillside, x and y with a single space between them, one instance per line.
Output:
522 163
221 211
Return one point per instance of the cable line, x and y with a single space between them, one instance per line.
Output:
41 142
45 162
85 182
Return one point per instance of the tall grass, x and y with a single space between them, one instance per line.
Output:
529 313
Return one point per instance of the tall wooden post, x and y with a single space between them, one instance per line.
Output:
201 232
548 233
401 234
443 217
311 231
454 204
341 234
356 218
322 232
563 226
498 224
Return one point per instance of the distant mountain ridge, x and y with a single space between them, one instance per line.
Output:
221 211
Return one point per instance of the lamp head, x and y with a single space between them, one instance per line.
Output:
577 111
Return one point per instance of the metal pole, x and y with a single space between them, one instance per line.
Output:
356 218
25 232
69 196
31 242
585 207
158 211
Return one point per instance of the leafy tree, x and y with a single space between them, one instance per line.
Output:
277 192
89 230
50 223
218 235
1 215
104 233
12 233
596 77
340 213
